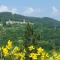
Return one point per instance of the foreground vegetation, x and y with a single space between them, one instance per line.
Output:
28 47
10 52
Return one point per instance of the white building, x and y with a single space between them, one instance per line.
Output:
17 22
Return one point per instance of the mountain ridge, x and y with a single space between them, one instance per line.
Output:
5 16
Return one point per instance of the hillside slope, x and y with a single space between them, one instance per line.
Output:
48 28
45 21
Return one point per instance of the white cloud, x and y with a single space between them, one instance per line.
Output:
31 11
14 10
55 11
4 8
24 11
28 11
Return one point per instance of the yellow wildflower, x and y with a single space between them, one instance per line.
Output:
33 56
56 55
5 52
39 50
9 45
19 55
31 48
44 56
16 49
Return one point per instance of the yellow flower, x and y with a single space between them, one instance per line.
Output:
16 49
57 58
9 45
22 55
47 55
56 55
5 52
39 50
44 56
33 56
31 48
19 55
16 55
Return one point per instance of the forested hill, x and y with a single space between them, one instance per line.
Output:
45 21
47 29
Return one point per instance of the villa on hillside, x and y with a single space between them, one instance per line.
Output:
17 22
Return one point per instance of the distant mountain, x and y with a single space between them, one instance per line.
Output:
45 21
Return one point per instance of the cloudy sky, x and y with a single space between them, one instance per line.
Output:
37 8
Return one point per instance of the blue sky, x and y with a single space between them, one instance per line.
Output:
37 8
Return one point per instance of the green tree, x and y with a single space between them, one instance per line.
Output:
28 34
